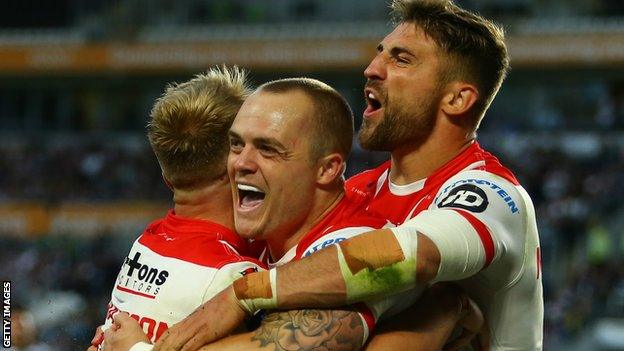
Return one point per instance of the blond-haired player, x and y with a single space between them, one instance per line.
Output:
288 145
185 258
461 215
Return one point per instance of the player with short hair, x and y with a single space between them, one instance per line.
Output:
289 191
185 258
462 215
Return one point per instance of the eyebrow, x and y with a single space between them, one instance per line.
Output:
256 141
269 141
233 134
396 50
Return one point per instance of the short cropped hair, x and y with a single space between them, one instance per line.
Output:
189 124
333 117
475 45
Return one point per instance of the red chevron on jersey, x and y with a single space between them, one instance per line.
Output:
176 265
398 207
201 242
472 199
350 212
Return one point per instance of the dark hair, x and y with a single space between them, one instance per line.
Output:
333 118
475 45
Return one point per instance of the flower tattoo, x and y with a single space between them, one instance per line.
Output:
313 330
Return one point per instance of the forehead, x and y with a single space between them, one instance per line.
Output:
275 113
410 36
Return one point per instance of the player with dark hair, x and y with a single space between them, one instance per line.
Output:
288 191
461 215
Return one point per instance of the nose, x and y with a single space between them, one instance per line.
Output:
244 161
376 68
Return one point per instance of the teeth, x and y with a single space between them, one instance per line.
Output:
371 96
245 187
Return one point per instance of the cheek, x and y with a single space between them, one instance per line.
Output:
230 164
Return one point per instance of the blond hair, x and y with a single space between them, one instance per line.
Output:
475 46
189 124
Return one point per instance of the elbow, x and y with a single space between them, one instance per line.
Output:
428 260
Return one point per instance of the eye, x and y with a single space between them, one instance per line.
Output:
402 59
236 145
267 150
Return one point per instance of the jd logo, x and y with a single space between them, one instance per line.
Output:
468 197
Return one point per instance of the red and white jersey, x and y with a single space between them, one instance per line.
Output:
349 218
175 266
474 197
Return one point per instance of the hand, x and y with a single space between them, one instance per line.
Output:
97 339
473 327
123 334
211 321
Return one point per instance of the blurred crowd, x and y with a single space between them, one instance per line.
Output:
89 168
60 278
123 18
561 132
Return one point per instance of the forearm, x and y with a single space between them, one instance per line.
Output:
426 325
299 329
236 342
365 267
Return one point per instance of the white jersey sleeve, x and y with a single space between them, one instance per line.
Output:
475 219
485 229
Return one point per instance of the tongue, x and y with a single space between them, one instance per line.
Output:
252 199
371 109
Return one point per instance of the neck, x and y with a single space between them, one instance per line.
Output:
411 163
324 202
212 203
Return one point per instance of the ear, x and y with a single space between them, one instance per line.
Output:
330 168
459 98
167 182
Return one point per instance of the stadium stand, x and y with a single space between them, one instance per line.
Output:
78 180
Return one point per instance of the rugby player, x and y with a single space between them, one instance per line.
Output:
462 215
288 146
191 254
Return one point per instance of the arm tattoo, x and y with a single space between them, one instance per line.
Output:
311 330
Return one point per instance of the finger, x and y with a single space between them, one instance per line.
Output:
92 348
168 342
461 341
481 342
98 336
193 344
121 318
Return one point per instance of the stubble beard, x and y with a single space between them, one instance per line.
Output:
398 127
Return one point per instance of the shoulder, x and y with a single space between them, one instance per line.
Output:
478 190
339 232
365 183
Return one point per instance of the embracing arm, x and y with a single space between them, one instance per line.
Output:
461 234
361 268
300 330
364 267
467 228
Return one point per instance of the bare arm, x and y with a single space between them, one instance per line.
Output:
429 323
315 281
374 259
300 330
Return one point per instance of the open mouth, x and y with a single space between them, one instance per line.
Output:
372 102
249 196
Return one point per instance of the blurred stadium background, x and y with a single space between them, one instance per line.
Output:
78 181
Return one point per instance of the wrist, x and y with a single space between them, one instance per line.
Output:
256 291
